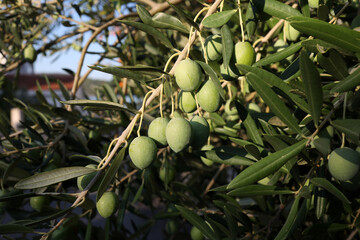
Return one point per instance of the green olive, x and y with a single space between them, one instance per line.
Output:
107 204
208 97
170 171
157 129
172 226
313 3
344 163
142 151
187 102
231 73
206 161
213 47
188 75
39 202
244 53
196 234
178 133
30 53
84 180
200 131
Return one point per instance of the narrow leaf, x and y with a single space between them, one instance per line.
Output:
278 56
14 228
338 35
166 21
348 83
225 158
312 84
274 81
185 16
104 105
232 225
197 221
250 20
213 77
276 8
284 232
333 62
110 173
273 101
351 128
54 176
218 19
258 190
227 45
249 124
325 184
266 166
121 73
150 30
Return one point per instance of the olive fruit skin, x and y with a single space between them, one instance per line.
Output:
39 202
231 73
187 102
188 75
313 3
30 54
244 53
142 151
213 47
196 234
291 33
178 134
84 180
157 129
208 97
107 204
200 131
171 174
206 161
344 163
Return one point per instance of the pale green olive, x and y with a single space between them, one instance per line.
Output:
188 75
178 134
142 151
344 163
208 97
213 47
187 102
157 129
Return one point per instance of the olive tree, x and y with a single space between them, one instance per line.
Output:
224 120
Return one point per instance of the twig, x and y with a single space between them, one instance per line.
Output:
212 181
80 23
352 234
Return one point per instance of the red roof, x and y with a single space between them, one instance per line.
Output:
29 81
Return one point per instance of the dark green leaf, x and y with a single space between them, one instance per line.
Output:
348 83
110 173
266 166
197 221
250 20
351 128
54 176
227 45
232 225
184 15
249 124
218 19
258 190
104 105
276 8
278 56
340 36
225 158
150 30
120 72
312 84
273 101
14 228
333 62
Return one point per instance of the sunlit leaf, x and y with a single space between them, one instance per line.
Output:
218 19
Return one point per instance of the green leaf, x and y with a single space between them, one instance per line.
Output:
333 62
273 101
225 158
340 36
312 84
54 176
351 128
249 123
232 225
104 105
244 143
197 221
110 173
266 166
63 89
285 230
258 190
150 30
227 45
274 81
325 184
276 8
121 73
348 83
250 20
218 19
278 56
213 77
185 16
14 228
